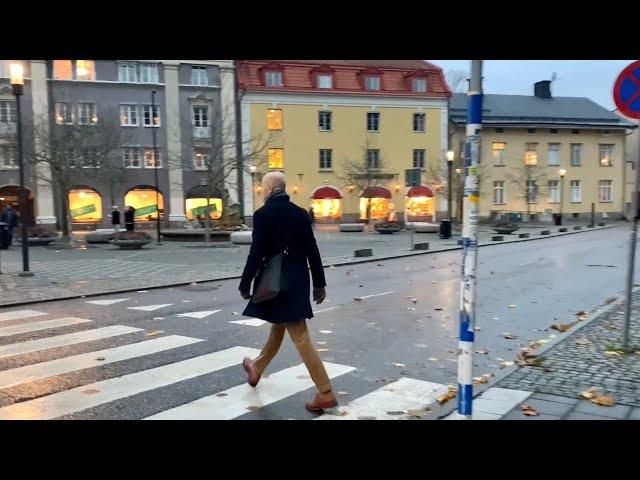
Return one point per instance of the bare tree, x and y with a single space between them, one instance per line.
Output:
365 171
457 80
527 181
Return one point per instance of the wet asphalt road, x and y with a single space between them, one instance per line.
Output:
546 281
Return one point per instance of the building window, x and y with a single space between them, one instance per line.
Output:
373 121
200 116
63 70
275 158
199 76
64 113
498 193
554 154
419 85
8 157
129 115
87 114
326 161
604 191
576 154
554 194
274 119
149 73
274 79
324 121
531 130
147 122
131 157
553 131
150 158
498 153
575 132
200 159
90 158
531 154
373 159
372 83
85 70
606 155
325 81
127 72
85 205
418 122
8 111
418 158
499 130
576 193
532 191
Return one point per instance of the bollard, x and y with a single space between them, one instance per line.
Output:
545 232
497 238
562 230
365 252
421 246
523 235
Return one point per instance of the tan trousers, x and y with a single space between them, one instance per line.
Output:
300 336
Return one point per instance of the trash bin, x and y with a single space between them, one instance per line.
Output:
445 229
557 219
4 236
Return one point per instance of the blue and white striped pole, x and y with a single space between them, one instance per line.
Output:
469 242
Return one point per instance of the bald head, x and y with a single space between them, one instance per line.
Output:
272 182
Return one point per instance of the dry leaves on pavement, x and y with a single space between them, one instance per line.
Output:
419 412
91 391
450 395
589 394
154 333
529 411
505 364
604 400
509 336
100 359
482 351
582 341
512 306
561 327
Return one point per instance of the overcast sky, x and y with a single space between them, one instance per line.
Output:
575 78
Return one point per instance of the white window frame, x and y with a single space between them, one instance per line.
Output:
372 83
131 72
150 150
90 114
554 191
87 157
576 191
416 122
329 116
64 110
146 112
498 154
199 75
532 191
8 112
415 85
373 153
273 78
605 191
126 151
602 148
205 156
498 192
373 115
556 154
325 155
4 165
576 148
126 110
531 147
149 70
328 80
419 156
200 119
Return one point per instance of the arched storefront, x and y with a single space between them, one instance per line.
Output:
85 205
143 199
419 204
195 204
10 195
326 203
381 205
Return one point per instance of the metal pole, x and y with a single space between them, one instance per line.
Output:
240 168
632 255
593 214
561 196
155 162
469 242
23 192
450 187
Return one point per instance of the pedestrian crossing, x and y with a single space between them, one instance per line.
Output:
48 361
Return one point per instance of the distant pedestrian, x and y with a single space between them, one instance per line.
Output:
129 216
10 217
312 217
115 218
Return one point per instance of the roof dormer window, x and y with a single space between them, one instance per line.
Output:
372 82
273 78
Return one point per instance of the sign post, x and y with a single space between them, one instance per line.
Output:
626 95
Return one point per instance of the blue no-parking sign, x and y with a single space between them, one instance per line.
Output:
626 91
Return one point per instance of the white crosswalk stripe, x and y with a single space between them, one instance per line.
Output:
151 308
42 325
38 371
31 346
240 399
19 314
391 402
107 302
252 322
98 393
202 314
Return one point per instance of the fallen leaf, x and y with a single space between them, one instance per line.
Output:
100 359
589 394
445 397
482 351
332 267
561 327
480 380
235 313
158 318
582 341
411 309
222 394
418 412
604 400
488 375
399 364
321 343
509 336
476 329
323 349
438 309
154 333
432 359
326 331
529 411
91 391
612 352
343 392
302 377
609 300
253 408
512 306
506 364
398 412
421 345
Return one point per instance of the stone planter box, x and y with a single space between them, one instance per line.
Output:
545 232
577 227
99 237
561 230
352 227
242 238
365 252
523 235
601 224
497 238
130 244
421 246
37 241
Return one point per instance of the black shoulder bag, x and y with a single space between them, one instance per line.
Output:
271 280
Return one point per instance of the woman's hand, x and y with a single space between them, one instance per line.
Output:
319 294
245 295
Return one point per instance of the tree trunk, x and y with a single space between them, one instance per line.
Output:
207 222
65 217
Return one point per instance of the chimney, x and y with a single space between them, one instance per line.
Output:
542 89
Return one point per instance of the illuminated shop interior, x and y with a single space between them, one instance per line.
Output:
85 205
143 199
419 204
327 203
196 203
381 205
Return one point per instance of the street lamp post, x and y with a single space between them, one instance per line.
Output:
450 157
17 83
562 173
155 161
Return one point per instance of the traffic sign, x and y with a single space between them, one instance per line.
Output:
626 91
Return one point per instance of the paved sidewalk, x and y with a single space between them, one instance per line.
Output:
99 269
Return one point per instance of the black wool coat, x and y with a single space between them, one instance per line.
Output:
277 224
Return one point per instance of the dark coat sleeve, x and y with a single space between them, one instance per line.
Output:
313 254
256 253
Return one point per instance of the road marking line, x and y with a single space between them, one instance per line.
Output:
325 309
65 340
399 396
107 302
151 308
18 314
74 400
202 314
237 400
374 295
60 366
252 322
43 325
494 403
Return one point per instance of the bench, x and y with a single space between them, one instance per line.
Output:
242 238
352 227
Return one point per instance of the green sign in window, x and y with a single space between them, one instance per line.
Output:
77 212
142 211
196 212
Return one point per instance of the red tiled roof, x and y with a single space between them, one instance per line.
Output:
420 191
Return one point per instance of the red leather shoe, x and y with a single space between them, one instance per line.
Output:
322 401
249 367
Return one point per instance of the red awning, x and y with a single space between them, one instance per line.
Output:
420 191
376 192
326 192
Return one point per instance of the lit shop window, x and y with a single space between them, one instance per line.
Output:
197 207
275 158
143 199
85 205
274 119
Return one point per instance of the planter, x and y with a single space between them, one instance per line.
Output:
387 231
129 244
38 241
505 228
387 228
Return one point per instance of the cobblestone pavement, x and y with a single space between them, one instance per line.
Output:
580 362
96 269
